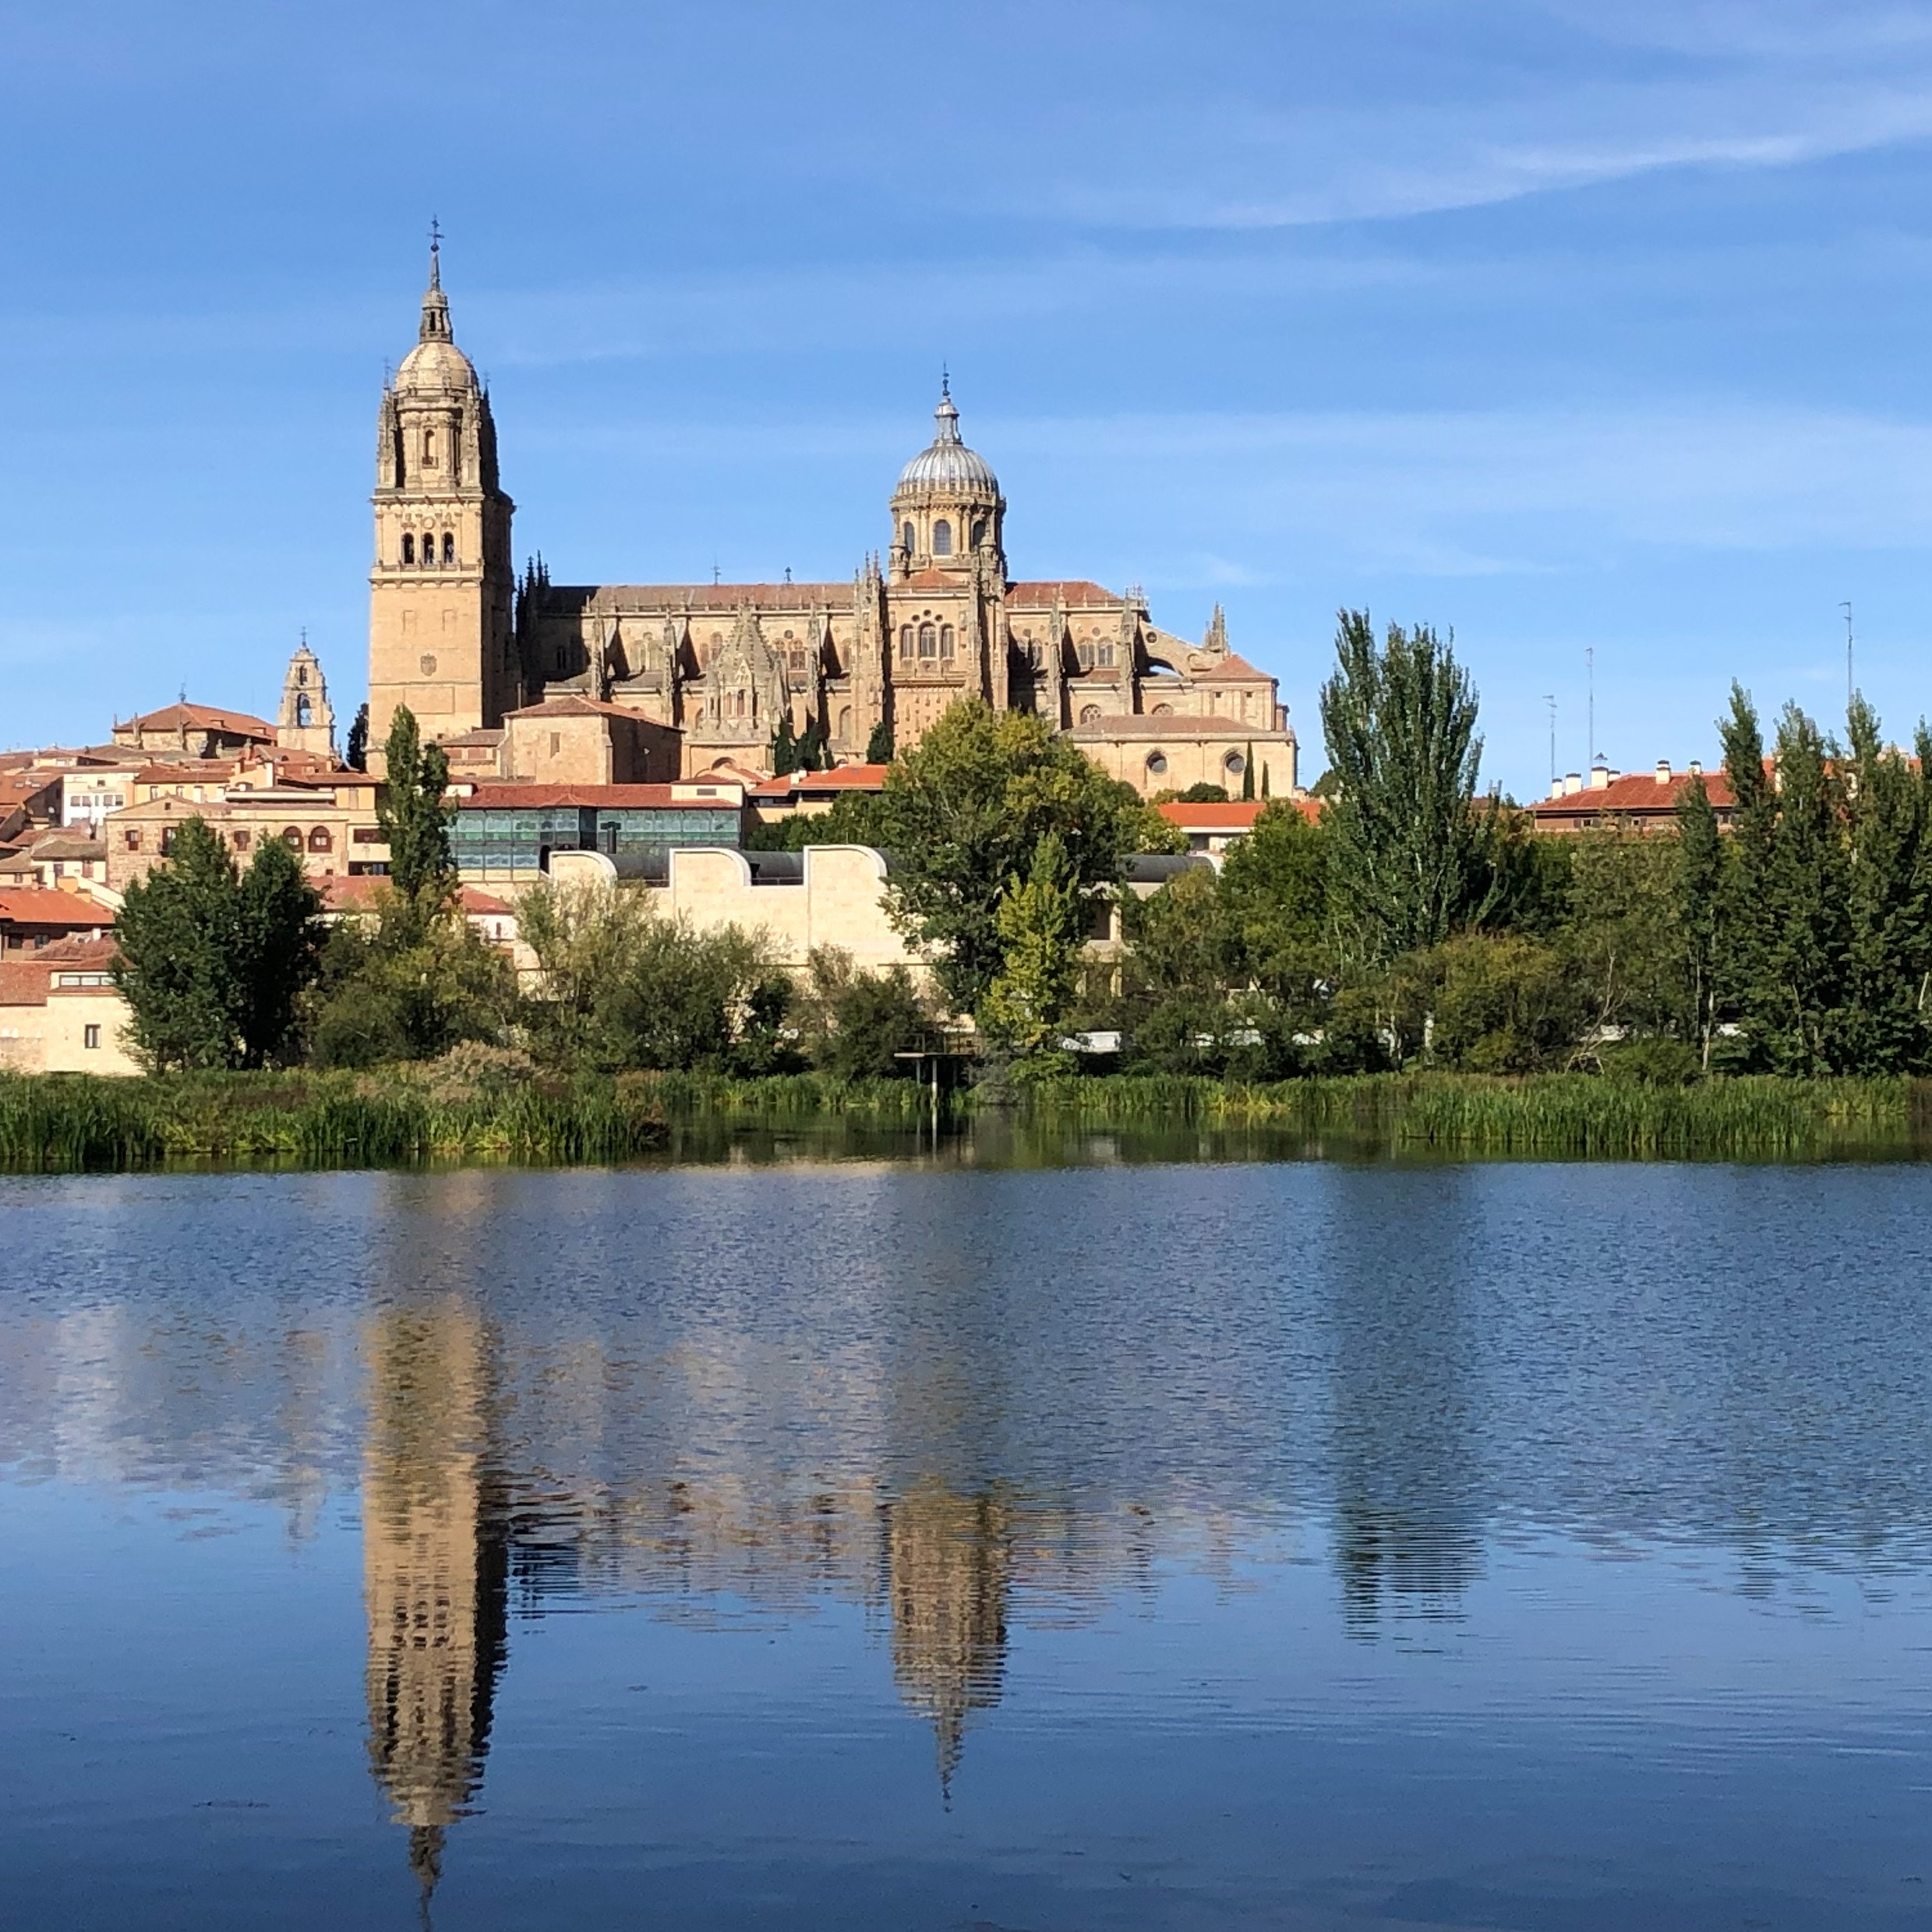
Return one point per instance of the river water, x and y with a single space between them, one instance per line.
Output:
921 1544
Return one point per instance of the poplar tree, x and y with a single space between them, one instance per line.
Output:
1409 847
784 746
415 820
1042 924
1698 891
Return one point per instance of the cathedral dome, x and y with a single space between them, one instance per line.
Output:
436 364
946 463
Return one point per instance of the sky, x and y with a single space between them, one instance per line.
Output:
1593 334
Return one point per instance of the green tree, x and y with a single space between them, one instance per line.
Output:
356 755
1203 795
1184 975
962 813
212 963
784 746
856 818
1042 926
415 819
855 1024
1622 938
1699 896
1490 1003
1248 772
878 747
1410 847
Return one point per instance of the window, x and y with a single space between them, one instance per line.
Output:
367 835
90 1037
1156 763
428 446
1163 710
302 674
320 839
1089 713
942 538
928 641
302 711
945 641
845 722
292 837
408 548
905 640
905 537
241 841
167 840
1106 657
1235 763
133 838
979 532
556 743
1084 652
449 546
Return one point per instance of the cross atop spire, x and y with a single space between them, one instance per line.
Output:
945 383
435 252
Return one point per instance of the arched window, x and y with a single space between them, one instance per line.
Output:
320 841
845 722
292 837
1163 711
302 714
449 546
302 674
928 641
408 548
905 537
979 532
942 538
945 641
1156 763
905 640
1089 713
428 446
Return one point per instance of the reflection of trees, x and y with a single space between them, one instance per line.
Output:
434 1567
1407 1514
949 1559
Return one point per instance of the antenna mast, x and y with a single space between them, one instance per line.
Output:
1850 689
1549 698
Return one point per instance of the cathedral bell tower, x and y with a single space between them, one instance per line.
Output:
947 512
440 634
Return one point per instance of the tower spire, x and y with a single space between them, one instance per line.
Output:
435 252
435 305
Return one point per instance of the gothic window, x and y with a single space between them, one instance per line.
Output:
1089 713
905 640
942 538
905 537
928 641
739 698
845 722
945 641
449 546
320 841
301 711
1107 657
408 548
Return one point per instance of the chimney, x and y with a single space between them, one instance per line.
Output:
1663 771
1600 776
1573 783
1697 769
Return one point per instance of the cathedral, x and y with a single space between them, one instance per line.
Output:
675 680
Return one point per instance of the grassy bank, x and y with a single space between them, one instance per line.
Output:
1551 1113
413 1114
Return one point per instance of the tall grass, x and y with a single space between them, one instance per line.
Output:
1550 1113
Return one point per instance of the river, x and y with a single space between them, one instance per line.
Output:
920 1543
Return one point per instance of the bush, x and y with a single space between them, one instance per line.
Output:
1651 1062
855 1025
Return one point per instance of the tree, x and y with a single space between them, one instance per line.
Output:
1623 938
1699 894
1490 1003
1042 923
415 820
962 814
856 1024
1203 795
878 747
1248 772
813 755
784 746
212 962
1409 845
855 819
1274 885
356 755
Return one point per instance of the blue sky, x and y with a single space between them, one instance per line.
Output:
1570 326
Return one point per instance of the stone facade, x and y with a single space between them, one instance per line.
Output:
306 722
937 618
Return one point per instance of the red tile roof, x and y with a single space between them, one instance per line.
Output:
575 704
34 905
191 772
534 797
1238 814
841 777
1072 591
236 724
1236 669
1636 792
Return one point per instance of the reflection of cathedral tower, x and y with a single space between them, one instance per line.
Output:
433 1568
949 1558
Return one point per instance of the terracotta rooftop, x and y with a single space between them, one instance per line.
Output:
1039 594
34 905
537 797
194 771
1236 669
204 718
575 704
1635 792
841 777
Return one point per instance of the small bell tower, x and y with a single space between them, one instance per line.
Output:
305 723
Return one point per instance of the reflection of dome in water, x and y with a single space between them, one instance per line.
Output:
946 463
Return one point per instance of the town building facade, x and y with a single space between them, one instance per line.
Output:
938 616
